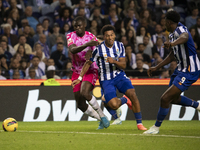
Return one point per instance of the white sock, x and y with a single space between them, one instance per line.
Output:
96 107
92 113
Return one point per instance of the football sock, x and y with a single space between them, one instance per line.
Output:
138 117
92 113
123 100
96 107
161 116
185 101
112 112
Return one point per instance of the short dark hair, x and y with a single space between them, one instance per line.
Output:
107 28
173 16
80 18
35 57
140 44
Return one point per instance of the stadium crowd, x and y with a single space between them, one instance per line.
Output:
33 33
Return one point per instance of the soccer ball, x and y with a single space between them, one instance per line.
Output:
10 125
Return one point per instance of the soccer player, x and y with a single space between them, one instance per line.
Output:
110 58
80 43
187 71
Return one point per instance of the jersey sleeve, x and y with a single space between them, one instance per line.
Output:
95 54
181 30
122 50
69 39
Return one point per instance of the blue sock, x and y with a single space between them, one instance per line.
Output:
185 101
124 100
161 116
138 117
112 112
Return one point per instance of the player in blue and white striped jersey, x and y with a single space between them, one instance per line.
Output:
110 58
187 71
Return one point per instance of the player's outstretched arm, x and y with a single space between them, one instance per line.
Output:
85 68
75 49
166 61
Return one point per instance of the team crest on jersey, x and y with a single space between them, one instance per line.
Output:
69 41
105 55
117 51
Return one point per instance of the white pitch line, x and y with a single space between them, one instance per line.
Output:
157 135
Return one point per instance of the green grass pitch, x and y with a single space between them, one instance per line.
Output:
82 135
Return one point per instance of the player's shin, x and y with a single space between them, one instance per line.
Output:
161 116
92 113
96 107
185 101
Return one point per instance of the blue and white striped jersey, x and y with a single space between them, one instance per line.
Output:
108 71
185 54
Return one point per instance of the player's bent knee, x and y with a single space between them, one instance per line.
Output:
113 104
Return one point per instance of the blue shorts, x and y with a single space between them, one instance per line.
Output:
183 80
120 82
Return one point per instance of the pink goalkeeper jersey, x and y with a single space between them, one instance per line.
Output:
78 59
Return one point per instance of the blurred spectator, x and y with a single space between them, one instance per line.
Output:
65 17
50 63
139 56
14 66
47 30
96 15
16 74
35 64
62 4
81 5
66 29
2 10
12 38
42 65
21 50
22 40
4 66
37 3
32 74
59 39
164 74
37 47
144 6
14 15
16 56
94 25
24 23
50 73
29 39
130 58
159 33
58 57
195 38
191 20
23 65
145 24
101 6
13 5
67 72
145 14
124 40
197 27
118 10
130 4
14 30
9 51
141 33
132 16
140 72
163 52
28 15
146 57
148 45
112 17
2 77
45 47
164 4
55 34
131 37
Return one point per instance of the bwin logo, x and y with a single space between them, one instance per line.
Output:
59 114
